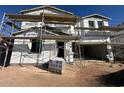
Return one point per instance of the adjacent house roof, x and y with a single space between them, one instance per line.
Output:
97 16
46 7
120 25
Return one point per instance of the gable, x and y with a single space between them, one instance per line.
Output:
46 9
97 16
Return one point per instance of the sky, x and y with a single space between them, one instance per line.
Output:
115 12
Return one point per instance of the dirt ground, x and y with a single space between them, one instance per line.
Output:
83 74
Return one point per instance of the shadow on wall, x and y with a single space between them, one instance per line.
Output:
113 79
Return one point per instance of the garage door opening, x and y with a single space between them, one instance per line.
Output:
97 52
90 52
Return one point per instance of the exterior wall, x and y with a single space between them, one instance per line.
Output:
86 20
23 47
85 23
93 36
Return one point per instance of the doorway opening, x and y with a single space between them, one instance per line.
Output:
60 46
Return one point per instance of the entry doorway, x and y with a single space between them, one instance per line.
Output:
60 46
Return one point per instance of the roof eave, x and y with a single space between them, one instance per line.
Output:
41 7
98 15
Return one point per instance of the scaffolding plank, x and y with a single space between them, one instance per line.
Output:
48 18
99 43
45 37
57 31
102 28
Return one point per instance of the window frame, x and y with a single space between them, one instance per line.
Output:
101 22
93 26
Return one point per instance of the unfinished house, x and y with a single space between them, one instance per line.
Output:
52 44
91 46
47 32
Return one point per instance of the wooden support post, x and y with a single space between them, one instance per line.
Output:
21 57
39 37
7 50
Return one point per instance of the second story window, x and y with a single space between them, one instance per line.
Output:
91 24
100 23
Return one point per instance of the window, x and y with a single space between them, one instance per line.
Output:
100 23
91 24
36 46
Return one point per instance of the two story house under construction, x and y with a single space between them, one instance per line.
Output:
71 38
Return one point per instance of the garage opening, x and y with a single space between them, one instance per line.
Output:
95 52
60 46
90 52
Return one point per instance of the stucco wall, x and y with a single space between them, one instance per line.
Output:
86 20
23 47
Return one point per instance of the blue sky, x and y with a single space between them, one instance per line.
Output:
115 12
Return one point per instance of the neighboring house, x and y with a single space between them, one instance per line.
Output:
118 37
120 25
25 51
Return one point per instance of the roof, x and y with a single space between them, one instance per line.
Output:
46 6
120 25
96 15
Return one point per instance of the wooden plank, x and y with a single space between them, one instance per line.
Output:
34 30
99 43
109 28
102 28
48 18
46 37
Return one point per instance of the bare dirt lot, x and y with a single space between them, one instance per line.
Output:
73 76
